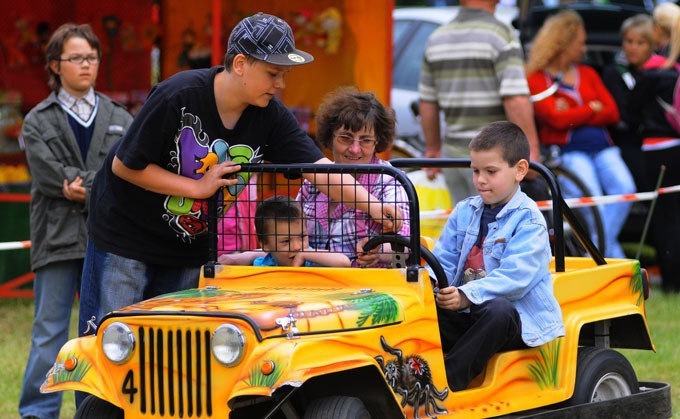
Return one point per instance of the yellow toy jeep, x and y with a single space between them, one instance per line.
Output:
348 343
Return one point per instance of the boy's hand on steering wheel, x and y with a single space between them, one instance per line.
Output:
451 298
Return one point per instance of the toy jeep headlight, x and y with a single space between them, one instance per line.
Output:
227 344
118 342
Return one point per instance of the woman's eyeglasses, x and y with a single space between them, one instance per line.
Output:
80 59
365 141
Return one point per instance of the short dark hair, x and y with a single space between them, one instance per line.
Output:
505 135
348 107
55 46
229 60
275 208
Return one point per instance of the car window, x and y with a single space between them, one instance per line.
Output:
406 70
399 30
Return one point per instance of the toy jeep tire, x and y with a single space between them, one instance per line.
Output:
338 407
602 374
94 407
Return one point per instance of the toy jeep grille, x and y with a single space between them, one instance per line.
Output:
174 372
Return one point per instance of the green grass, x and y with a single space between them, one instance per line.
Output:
662 365
15 341
17 316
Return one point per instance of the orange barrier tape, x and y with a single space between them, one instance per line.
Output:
15 197
25 244
587 201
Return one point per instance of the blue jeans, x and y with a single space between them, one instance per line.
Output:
111 282
604 173
55 288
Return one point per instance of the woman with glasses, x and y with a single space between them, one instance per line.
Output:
354 126
67 136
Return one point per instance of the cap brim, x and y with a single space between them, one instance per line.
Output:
295 57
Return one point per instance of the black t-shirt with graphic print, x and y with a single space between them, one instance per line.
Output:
180 130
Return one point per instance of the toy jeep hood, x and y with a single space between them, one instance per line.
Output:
280 311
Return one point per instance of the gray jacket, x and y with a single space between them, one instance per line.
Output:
58 225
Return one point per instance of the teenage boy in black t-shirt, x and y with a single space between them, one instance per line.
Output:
148 214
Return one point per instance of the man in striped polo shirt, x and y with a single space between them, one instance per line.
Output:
473 71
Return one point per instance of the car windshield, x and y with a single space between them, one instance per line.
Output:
406 70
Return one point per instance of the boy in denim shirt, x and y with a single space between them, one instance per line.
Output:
495 252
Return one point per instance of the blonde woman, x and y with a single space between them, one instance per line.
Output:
661 142
574 114
664 16
620 77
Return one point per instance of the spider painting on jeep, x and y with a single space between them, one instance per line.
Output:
411 378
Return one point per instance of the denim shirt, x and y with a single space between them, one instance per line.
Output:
516 257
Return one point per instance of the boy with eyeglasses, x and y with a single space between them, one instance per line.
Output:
148 228
66 137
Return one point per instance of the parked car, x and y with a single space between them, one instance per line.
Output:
412 27
352 343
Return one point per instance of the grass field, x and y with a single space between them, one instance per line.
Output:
664 365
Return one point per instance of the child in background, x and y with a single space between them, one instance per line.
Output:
495 252
67 136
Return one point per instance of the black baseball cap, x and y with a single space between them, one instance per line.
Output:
267 38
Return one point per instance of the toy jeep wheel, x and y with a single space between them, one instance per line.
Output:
337 407
602 374
93 407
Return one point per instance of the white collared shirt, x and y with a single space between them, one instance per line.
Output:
82 109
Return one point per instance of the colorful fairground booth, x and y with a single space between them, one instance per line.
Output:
145 41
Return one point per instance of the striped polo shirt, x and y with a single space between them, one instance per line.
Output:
469 65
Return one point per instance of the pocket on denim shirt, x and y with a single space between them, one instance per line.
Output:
498 248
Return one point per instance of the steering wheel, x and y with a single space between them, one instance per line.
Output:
401 242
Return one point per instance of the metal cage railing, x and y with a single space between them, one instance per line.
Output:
281 179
